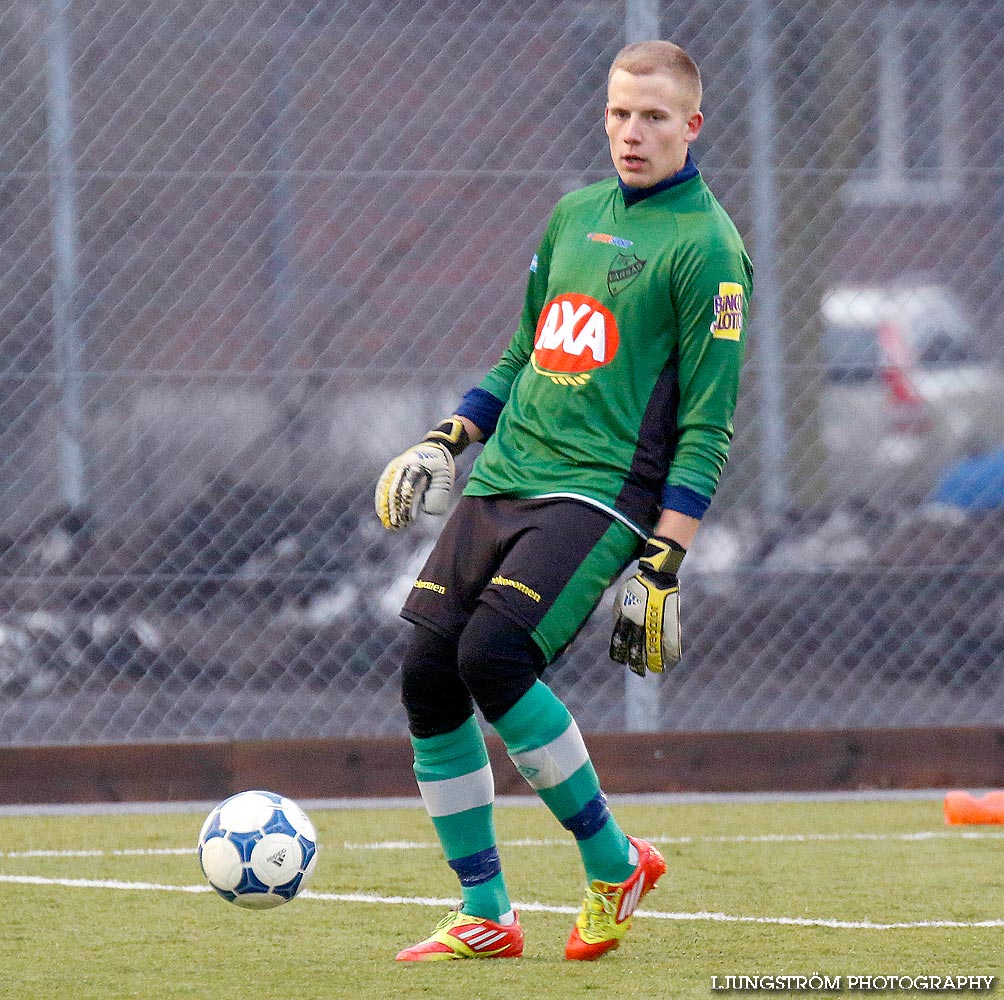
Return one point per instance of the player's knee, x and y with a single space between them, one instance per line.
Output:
432 692
497 660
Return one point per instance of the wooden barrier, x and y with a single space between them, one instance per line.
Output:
808 760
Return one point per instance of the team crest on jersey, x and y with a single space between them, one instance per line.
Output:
575 335
623 271
728 310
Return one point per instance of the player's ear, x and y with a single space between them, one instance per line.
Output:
694 123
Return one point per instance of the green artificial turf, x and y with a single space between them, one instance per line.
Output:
753 889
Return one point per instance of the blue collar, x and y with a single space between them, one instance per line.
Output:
632 195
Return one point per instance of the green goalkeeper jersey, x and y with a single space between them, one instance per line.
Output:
620 383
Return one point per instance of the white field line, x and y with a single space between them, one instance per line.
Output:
416 845
340 897
767 838
101 883
138 852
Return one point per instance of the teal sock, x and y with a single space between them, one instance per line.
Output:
458 789
547 748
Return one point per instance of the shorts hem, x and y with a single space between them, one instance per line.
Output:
432 626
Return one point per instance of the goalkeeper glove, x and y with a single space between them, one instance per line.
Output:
422 476
647 611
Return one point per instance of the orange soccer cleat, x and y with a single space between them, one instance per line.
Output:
607 908
459 935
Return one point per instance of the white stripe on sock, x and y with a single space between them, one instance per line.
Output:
554 762
454 795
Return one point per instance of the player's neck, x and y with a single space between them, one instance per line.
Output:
632 195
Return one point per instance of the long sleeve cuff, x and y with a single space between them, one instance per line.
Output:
684 500
482 409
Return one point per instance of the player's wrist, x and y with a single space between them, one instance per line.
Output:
451 434
662 558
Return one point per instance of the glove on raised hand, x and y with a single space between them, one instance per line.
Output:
646 633
422 476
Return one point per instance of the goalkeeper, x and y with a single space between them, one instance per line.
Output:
606 425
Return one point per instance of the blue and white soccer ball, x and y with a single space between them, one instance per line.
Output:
257 849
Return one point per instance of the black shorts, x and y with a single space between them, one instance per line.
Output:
543 563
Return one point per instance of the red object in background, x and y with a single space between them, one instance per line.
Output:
962 807
906 405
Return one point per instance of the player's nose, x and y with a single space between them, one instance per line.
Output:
632 130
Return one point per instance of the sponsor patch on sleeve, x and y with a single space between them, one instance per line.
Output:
728 310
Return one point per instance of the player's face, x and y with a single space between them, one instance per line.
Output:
649 126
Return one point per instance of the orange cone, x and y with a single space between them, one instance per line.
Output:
961 807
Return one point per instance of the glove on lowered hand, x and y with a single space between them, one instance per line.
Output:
646 633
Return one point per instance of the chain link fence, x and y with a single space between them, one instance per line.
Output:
249 250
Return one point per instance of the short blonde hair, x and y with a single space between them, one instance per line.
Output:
657 56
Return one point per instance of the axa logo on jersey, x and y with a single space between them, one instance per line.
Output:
575 334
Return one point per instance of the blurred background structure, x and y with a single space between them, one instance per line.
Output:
250 249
